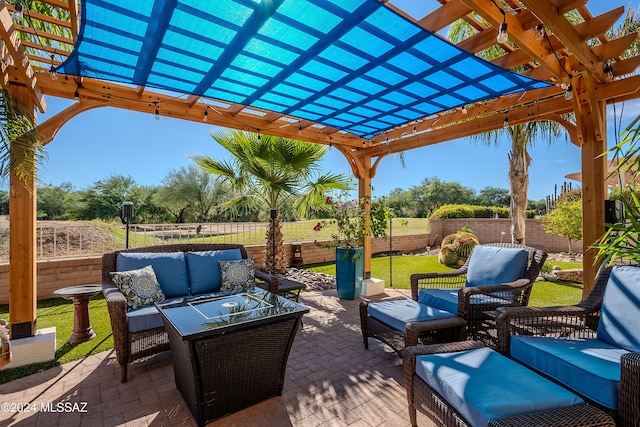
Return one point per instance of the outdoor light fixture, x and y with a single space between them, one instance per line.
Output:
414 128
330 141
608 71
505 125
18 11
127 214
76 94
540 31
464 110
568 94
52 70
259 138
205 118
157 114
503 36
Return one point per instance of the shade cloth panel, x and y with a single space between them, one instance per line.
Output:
354 65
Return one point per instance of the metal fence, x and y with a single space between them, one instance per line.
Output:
74 239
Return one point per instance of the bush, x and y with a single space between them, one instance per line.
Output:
471 211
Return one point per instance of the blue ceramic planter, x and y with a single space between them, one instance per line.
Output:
349 272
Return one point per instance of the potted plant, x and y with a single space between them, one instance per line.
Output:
349 218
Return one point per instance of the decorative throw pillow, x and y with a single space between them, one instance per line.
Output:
140 287
237 275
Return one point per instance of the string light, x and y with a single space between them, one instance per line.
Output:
205 117
505 125
464 110
259 137
330 141
157 113
568 94
76 94
540 31
503 36
364 144
52 70
608 71
18 11
299 128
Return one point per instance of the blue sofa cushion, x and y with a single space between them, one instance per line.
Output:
147 317
620 317
447 300
589 366
398 313
170 269
476 383
493 265
204 269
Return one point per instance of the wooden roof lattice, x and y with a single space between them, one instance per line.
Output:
566 50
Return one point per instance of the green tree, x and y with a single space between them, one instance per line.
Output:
191 194
4 202
433 193
401 202
521 136
566 221
266 172
493 196
57 202
104 200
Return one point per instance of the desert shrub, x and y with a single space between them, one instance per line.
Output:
457 247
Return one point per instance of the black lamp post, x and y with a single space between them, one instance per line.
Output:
273 212
127 214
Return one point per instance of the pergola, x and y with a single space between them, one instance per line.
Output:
543 45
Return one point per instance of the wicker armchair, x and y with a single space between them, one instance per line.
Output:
469 318
512 294
132 346
581 323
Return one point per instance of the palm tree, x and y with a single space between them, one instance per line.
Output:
521 137
267 172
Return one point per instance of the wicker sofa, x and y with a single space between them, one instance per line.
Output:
140 332
592 348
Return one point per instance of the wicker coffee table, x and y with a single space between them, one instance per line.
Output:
230 352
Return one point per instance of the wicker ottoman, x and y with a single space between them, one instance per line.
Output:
466 384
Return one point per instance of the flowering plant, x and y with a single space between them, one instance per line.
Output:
349 217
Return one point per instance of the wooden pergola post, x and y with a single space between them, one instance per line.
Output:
591 125
364 193
23 289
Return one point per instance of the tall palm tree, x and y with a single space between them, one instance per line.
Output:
521 137
267 172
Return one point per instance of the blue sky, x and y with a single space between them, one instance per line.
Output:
108 141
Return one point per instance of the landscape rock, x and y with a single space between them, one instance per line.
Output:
570 275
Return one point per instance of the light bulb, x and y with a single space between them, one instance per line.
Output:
414 129
505 125
563 85
205 118
157 115
464 110
18 11
503 36
299 129
76 95
259 138
608 72
568 94
53 73
540 31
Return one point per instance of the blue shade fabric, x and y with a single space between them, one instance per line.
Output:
354 65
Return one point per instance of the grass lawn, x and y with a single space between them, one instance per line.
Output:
58 312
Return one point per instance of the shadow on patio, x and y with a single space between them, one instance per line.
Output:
330 380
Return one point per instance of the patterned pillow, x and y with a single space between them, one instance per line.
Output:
237 275
140 287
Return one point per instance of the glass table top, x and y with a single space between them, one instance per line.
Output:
206 314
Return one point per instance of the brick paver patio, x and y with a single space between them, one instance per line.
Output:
331 380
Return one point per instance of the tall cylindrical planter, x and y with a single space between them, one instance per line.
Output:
349 272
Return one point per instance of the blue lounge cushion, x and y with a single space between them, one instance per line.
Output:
398 313
147 317
589 366
620 317
204 269
170 269
476 383
493 265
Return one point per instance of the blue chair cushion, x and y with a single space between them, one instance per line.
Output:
446 299
589 366
442 299
620 317
476 383
170 269
204 269
398 313
493 265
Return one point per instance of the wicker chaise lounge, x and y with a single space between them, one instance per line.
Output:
444 303
133 345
